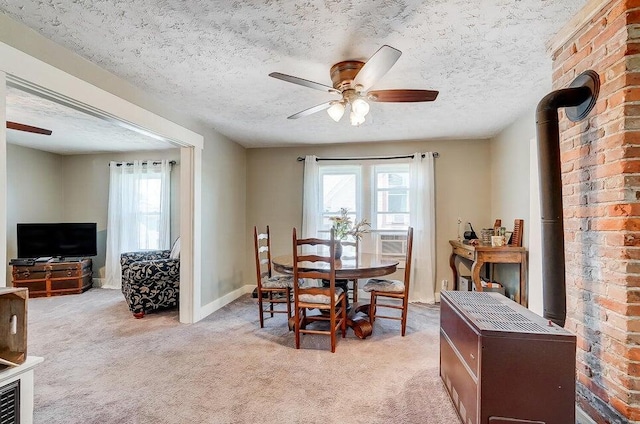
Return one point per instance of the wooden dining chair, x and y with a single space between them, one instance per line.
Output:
393 289
518 229
351 252
276 289
331 301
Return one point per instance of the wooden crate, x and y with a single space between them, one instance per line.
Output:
13 325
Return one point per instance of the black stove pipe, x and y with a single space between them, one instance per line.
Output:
580 97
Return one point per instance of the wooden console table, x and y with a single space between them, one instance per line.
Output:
482 254
54 278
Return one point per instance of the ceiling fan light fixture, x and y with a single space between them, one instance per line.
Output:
352 80
336 110
356 120
360 107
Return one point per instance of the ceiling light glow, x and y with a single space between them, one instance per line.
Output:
356 119
336 111
360 107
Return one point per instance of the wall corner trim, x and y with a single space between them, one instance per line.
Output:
220 302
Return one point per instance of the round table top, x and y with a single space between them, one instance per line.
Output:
367 265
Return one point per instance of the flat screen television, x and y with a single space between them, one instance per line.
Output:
77 239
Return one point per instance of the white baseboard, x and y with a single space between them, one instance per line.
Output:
582 417
211 307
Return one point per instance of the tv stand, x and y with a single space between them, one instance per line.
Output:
54 278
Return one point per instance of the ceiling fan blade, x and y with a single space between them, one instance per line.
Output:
402 95
377 65
303 82
311 110
27 128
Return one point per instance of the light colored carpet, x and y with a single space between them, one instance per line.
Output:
103 366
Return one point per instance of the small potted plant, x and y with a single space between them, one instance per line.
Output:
343 227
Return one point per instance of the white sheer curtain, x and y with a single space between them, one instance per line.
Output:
138 217
422 195
310 197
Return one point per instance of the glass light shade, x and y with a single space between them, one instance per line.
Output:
356 119
360 107
336 111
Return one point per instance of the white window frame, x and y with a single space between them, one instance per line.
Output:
376 190
147 243
339 170
385 238
366 203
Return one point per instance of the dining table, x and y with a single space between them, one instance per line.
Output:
362 266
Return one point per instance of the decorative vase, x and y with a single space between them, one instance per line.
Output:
338 249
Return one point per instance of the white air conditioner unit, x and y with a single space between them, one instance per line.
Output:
393 246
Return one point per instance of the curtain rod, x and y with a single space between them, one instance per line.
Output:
171 162
435 155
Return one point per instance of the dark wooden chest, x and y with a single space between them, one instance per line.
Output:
54 278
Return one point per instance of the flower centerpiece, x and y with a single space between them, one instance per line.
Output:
343 227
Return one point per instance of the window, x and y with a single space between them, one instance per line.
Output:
378 193
392 214
340 187
149 201
391 194
392 197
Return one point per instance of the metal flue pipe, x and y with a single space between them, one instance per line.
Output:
579 99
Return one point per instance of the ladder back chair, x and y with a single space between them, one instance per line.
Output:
518 229
393 289
331 300
273 289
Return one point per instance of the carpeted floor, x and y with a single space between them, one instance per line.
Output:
103 366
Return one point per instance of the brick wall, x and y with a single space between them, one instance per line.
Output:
601 189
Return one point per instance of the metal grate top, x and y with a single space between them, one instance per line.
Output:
493 311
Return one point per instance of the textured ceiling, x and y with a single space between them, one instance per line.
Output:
73 132
211 59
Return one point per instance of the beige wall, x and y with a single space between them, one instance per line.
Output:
274 190
86 192
510 171
34 191
224 182
510 185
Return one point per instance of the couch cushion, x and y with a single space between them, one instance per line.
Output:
320 298
278 282
389 286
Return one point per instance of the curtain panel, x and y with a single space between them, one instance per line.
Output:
311 197
422 198
139 212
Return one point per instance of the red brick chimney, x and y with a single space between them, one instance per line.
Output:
601 196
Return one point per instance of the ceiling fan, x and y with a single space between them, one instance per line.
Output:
352 80
27 128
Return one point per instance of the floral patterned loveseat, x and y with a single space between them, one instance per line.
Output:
150 280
